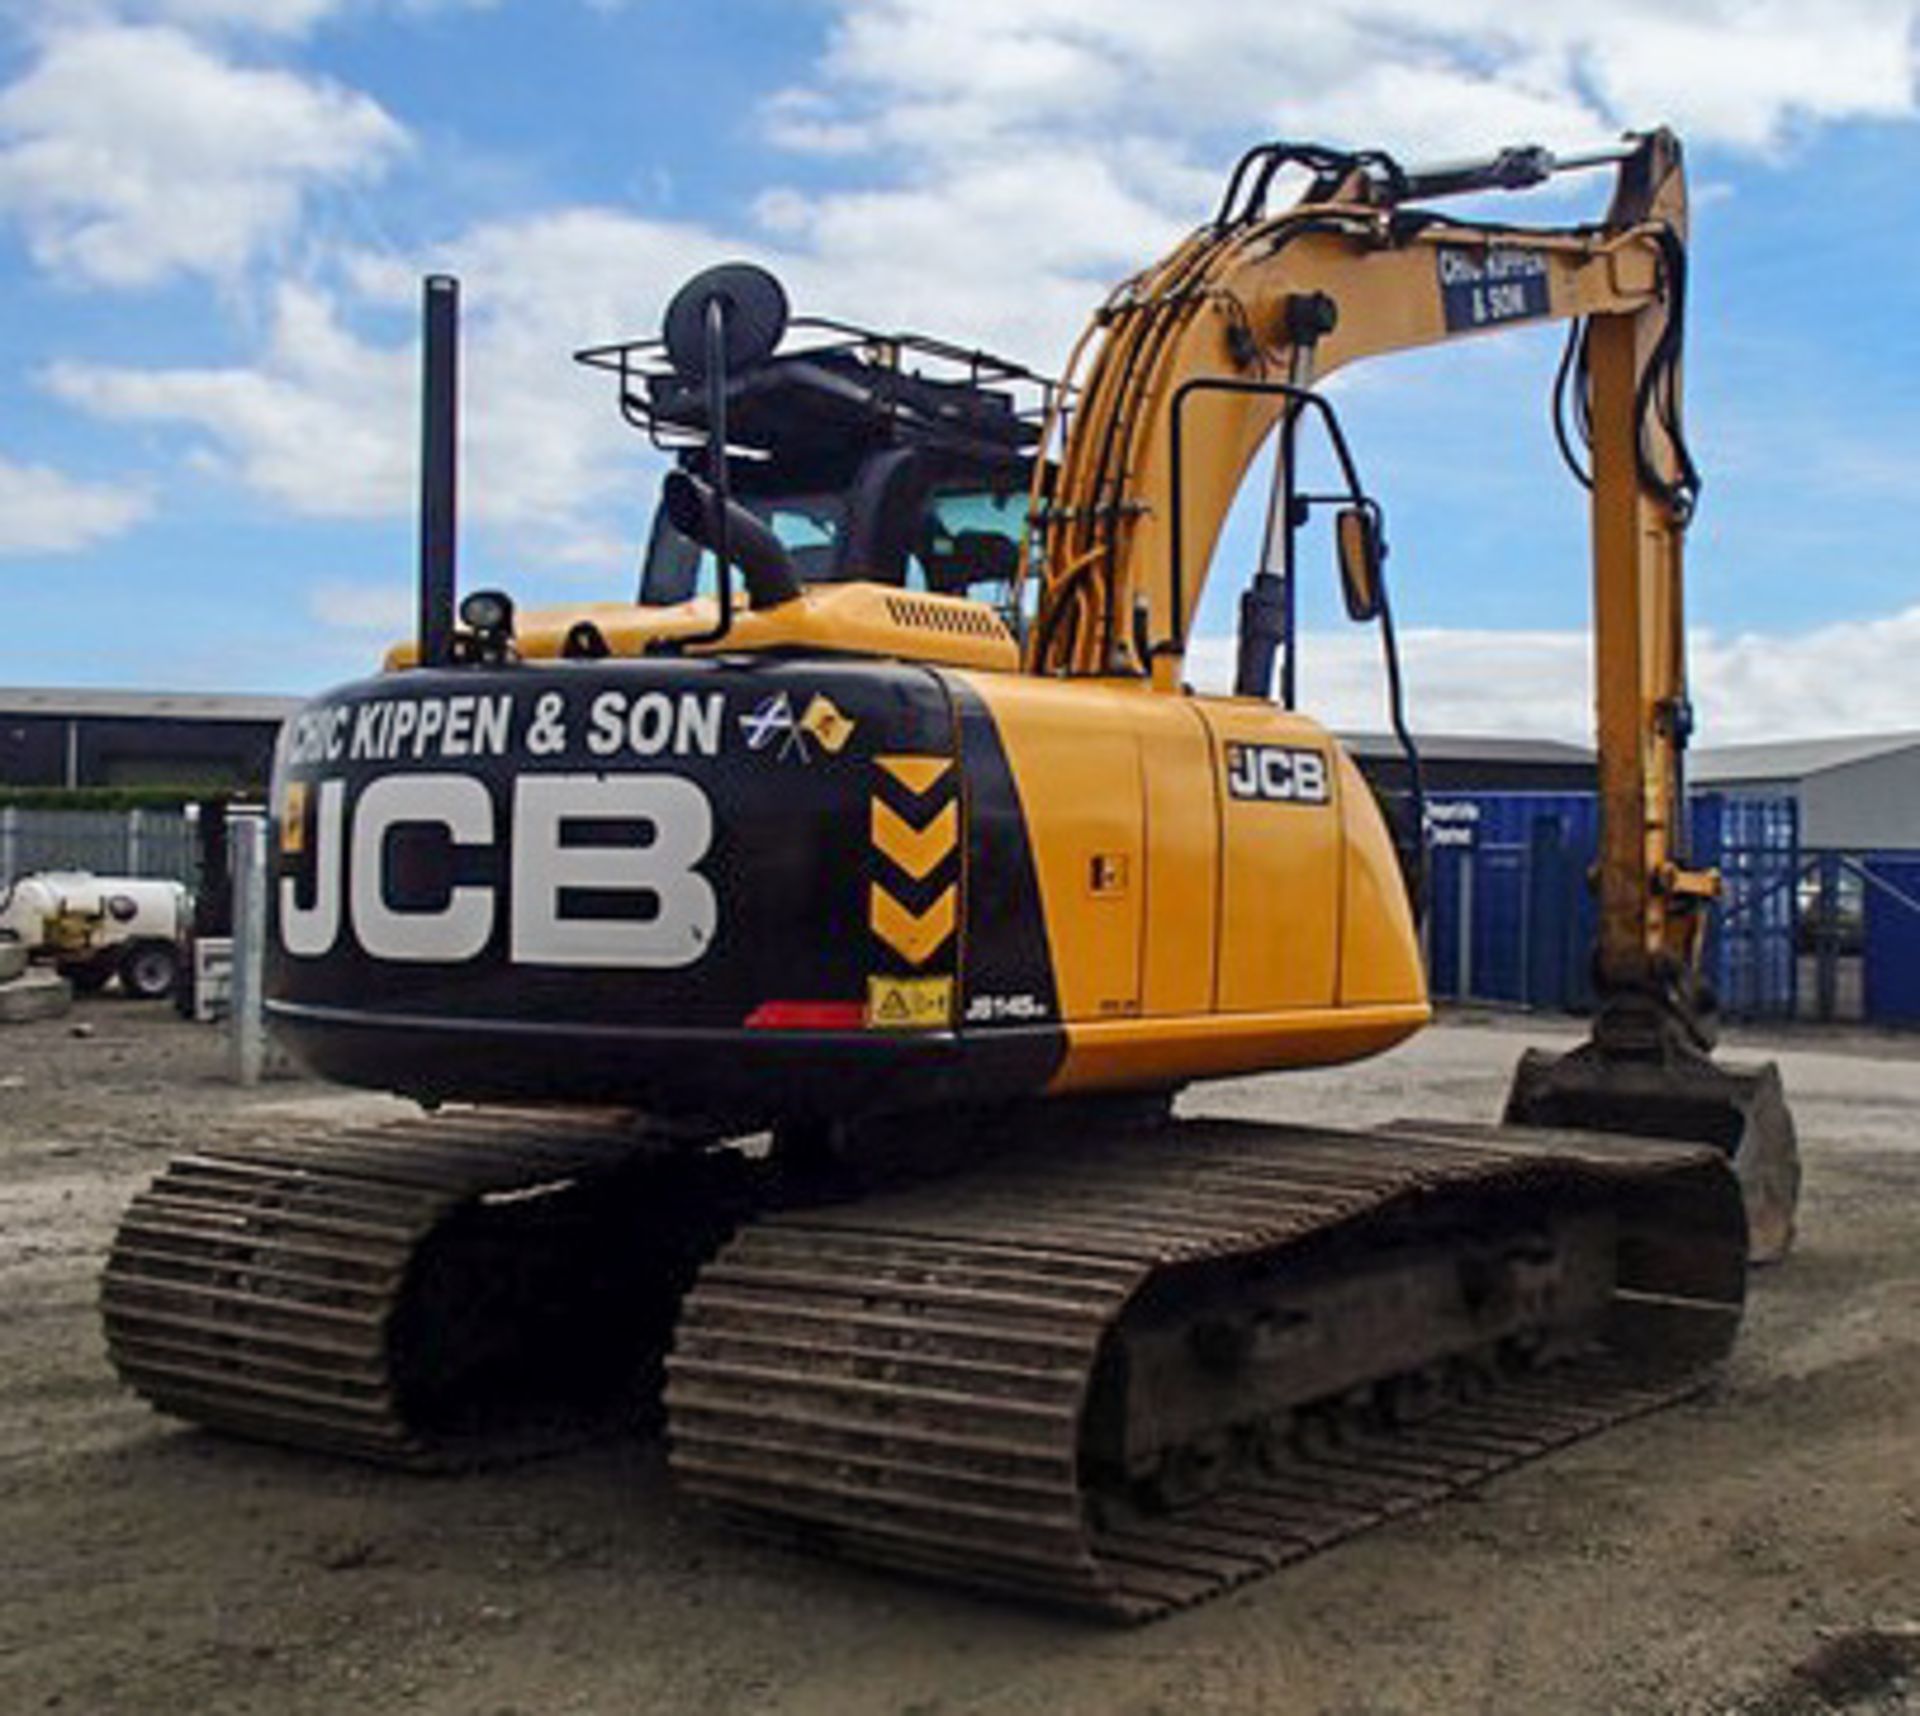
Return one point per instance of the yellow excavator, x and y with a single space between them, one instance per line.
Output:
797 964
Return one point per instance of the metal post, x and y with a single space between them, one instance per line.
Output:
246 1017
9 844
1827 940
1464 965
136 843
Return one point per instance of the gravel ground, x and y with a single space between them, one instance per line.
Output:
1757 1550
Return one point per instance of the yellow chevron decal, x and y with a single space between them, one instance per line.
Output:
916 774
915 850
915 937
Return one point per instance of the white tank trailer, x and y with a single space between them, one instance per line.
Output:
95 928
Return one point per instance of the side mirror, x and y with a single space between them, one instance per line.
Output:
755 321
1357 538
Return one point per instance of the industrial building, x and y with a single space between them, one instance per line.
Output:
1855 794
198 741
1475 762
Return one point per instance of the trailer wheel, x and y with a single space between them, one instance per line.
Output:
147 970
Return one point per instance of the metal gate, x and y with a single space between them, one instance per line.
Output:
1890 967
1755 845
106 842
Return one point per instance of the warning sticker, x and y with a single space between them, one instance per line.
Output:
1482 288
909 1003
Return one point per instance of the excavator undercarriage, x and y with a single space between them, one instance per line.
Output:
1116 1376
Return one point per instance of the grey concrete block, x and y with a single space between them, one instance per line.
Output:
34 995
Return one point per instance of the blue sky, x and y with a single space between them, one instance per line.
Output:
214 213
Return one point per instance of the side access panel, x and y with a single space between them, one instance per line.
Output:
1074 760
1280 865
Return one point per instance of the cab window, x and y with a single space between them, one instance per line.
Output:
810 528
969 544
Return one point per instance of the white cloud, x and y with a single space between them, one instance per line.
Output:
1031 151
43 511
801 120
276 17
1852 677
1037 150
367 610
130 154
324 418
318 424
1406 74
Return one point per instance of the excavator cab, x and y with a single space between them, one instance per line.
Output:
884 458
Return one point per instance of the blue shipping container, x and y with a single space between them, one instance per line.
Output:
1754 842
1512 919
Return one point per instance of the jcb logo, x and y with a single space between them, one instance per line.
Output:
656 908
1282 773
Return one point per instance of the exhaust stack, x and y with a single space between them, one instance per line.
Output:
439 449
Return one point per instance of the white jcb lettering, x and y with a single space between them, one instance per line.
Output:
433 715
406 717
1310 776
1282 774
656 909
309 931
455 930
680 925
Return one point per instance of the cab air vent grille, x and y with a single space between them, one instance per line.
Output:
940 617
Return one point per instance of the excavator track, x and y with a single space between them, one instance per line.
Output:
938 1380
437 1291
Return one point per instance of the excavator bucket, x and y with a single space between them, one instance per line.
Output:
1740 1109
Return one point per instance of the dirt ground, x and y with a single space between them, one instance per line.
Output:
1757 1550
